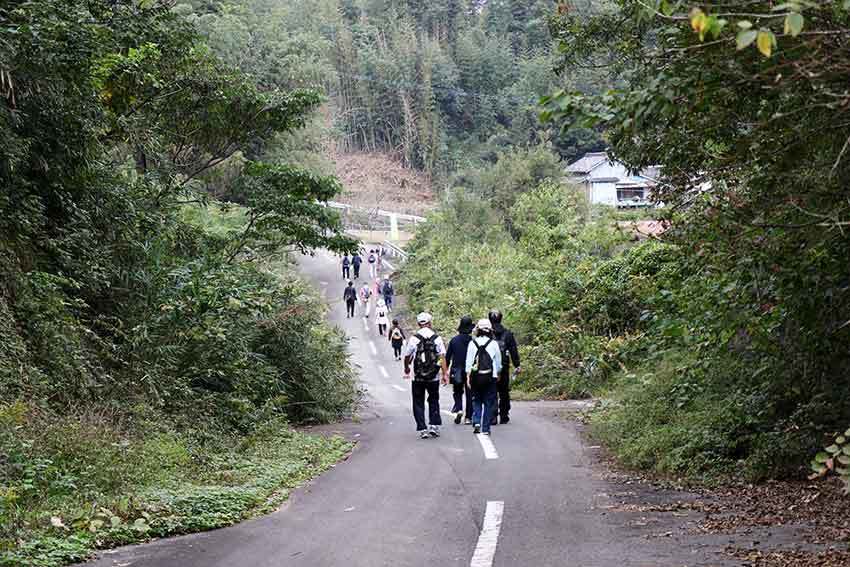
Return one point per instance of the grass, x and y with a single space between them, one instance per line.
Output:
70 500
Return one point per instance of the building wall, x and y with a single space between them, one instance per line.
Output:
604 193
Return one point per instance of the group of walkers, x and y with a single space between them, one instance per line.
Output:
477 362
375 259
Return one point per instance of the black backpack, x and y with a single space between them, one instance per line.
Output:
482 367
388 288
426 363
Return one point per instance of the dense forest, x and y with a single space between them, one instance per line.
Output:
442 86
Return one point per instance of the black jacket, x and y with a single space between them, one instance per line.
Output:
500 333
456 351
350 294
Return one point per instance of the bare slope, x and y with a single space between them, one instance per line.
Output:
377 180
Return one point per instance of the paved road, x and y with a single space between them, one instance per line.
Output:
400 501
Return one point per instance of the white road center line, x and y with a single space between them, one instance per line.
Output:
373 347
399 388
365 324
485 551
384 372
487 445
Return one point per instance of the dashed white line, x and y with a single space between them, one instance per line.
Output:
487 445
365 324
373 347
384 372
485 551
399 388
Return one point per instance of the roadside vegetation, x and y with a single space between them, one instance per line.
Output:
719 350
155 349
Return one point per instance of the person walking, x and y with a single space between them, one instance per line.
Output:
381 317
356 260
346 268
372 259
456 360
365 299
380 260
350 298
388 291
397 337
483 364
510 353
426 351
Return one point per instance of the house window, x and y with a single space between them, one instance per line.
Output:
631 193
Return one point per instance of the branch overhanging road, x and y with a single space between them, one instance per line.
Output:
526 497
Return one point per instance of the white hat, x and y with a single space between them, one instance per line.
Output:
485 325
424 318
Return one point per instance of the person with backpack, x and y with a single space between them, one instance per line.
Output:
350 298
365 296
356 260
397 337
483 365
372 259
426 351
346 267
510 353
381 317
388 292
456 360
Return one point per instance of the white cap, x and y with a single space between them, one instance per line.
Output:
424 318
485 325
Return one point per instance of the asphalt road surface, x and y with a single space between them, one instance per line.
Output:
531 499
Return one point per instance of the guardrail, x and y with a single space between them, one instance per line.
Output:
394 251
377 212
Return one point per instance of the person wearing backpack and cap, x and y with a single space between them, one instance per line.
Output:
346 268
510 353
456 360
397 338
381 318
483 365
426 351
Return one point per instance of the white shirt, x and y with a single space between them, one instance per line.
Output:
492 349
426 333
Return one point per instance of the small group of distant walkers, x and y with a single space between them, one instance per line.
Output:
477 363
382 289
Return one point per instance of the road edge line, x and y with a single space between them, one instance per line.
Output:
488 539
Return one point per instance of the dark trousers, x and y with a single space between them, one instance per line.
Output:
356 271
388 299
459 391
503 391
349 304
484 405
397 347
418 389
346 272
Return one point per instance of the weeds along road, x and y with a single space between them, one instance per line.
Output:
531 499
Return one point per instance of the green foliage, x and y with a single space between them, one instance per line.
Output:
752 168
130 298
102 486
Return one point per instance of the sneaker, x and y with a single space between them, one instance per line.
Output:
485 433
424 434
458 417
476 429
505 420
467 421
434 431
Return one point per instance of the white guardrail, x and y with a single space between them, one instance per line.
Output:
377 212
